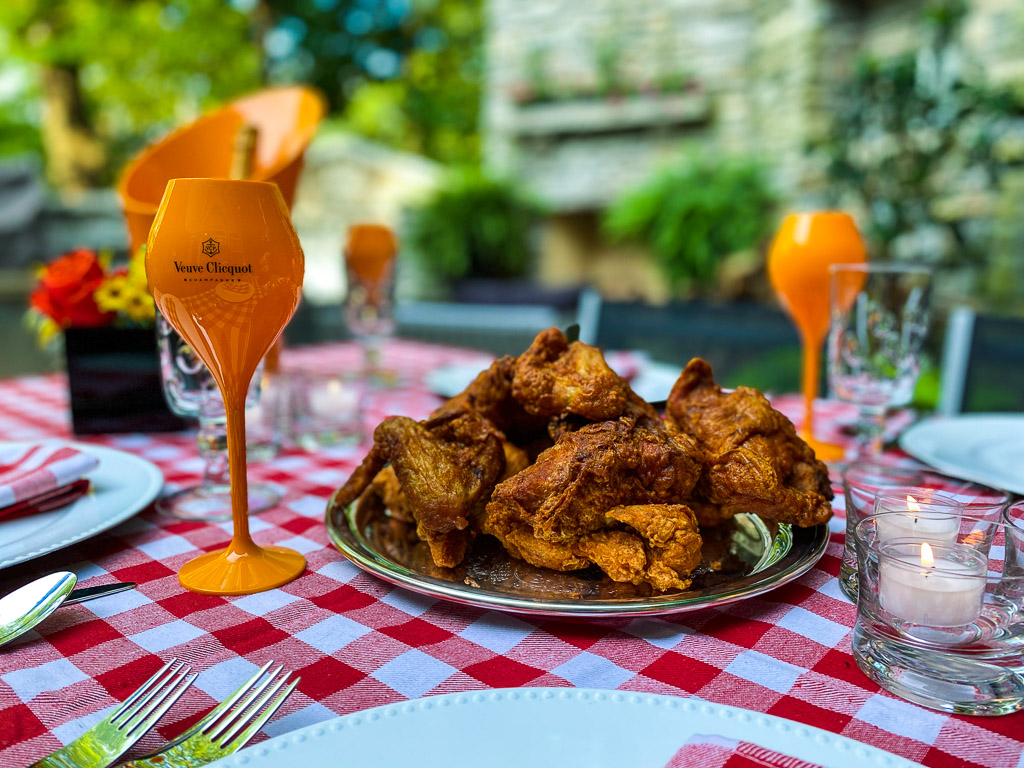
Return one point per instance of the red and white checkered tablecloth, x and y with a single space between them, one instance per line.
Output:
358 642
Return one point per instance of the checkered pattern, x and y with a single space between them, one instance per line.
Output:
358 642
720 752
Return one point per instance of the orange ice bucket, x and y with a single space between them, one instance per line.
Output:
286 120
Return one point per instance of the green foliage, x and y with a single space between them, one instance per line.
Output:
142 65
474 225
404 74
693 214
905 131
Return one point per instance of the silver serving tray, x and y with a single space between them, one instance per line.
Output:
741 558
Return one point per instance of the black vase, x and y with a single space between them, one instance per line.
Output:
115 382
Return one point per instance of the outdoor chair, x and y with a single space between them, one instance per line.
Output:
745 343
982 363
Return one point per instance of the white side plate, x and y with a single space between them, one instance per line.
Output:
984 448
122 486
544 728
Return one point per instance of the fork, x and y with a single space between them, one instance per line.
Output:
112 736
228 727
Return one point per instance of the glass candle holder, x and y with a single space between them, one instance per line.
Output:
942 624
1014 515
326 409
863 483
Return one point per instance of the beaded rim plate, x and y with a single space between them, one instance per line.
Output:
122 486
546 728
761 559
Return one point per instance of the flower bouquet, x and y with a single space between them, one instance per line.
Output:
105 316
82 290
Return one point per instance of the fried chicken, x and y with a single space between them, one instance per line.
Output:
445 469
489 395
607 493
755 460
555 378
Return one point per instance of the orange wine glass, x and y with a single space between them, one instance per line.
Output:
225 268
806 245
370 255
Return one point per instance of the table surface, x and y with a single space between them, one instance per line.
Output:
358 642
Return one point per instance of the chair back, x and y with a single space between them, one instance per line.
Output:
745 343
982 364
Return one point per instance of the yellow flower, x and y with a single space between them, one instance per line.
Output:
137 269
111 294
139 307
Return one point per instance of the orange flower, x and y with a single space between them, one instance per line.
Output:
65 291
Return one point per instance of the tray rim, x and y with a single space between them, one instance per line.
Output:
777 573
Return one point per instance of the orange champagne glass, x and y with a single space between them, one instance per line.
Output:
225 268
806 245
370 255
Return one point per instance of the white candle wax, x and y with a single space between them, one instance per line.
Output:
333 399
936 528
936 595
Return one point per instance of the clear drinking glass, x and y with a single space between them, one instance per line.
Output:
370 255
325 409
191 392
942 624
879 323
864 484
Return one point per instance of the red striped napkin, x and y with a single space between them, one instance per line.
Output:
38 478
703 751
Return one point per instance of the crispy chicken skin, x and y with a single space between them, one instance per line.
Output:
489 395
605 494
444 470
555 378
755 460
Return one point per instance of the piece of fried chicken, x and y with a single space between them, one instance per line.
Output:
755 460
490 395
555 378
444 470
607 493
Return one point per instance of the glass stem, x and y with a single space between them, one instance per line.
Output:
870 431
212 439
809 380
241 542
371 354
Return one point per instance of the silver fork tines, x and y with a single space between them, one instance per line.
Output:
230 725
112 736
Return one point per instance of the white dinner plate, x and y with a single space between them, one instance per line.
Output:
121 486
985 448
653 381
544 728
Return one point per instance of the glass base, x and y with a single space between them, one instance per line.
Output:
946 681
212 503
242 571
848 582
827 452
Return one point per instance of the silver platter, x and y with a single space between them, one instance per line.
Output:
741 558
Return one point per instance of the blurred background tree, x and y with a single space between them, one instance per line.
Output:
105 76
404 72
913 145
112 72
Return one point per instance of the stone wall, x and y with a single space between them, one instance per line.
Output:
756 77
346 180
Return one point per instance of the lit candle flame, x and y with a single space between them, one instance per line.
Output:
912 504
927 557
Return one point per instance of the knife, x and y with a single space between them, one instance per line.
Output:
89 593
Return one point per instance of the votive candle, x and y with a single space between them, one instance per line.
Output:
939 592
934 526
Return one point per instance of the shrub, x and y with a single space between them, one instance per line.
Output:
693 214
474 225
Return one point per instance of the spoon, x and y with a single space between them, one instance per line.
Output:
26 606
